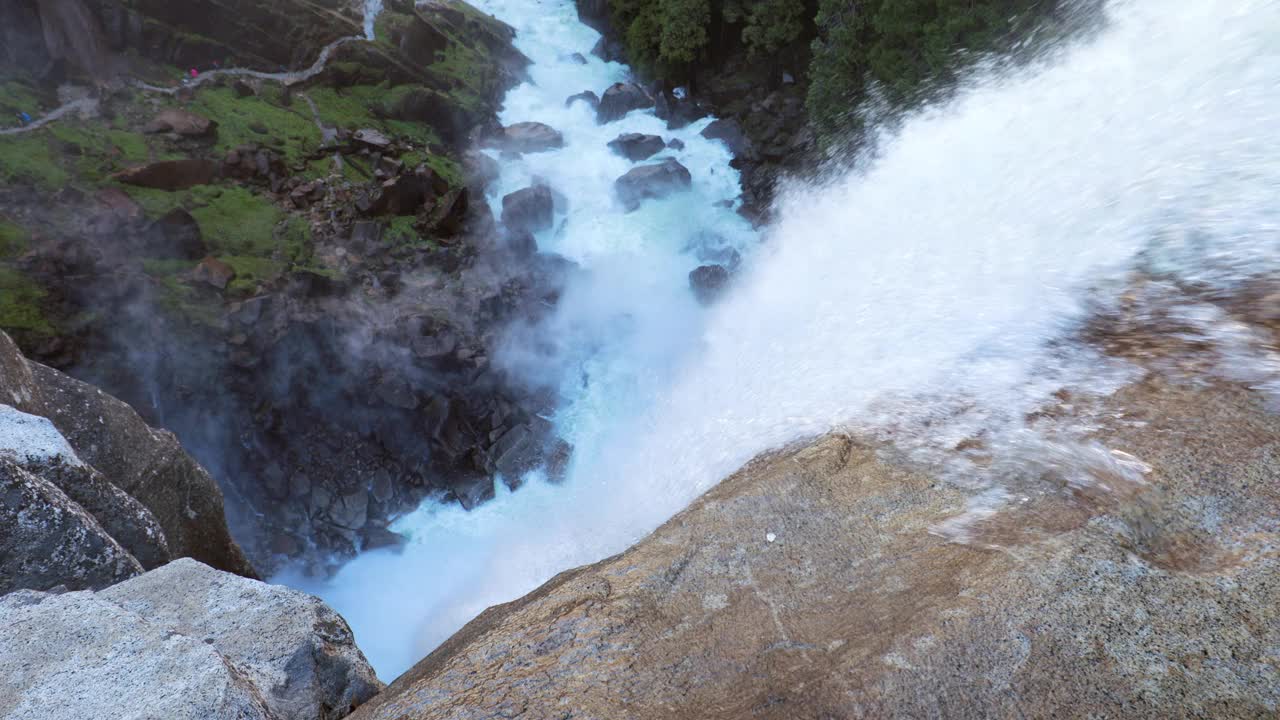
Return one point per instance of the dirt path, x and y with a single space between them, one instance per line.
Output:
82 106
293 77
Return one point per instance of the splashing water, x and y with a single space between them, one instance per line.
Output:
941 269
371 10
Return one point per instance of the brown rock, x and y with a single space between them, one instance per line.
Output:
181 122
171 174
119 203
213 271
811 584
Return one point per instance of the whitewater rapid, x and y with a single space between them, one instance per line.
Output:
942 269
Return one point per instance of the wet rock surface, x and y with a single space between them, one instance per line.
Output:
129 465
182 641
620 99
528 137
528 210
656 180
637 146
1115 603
708 282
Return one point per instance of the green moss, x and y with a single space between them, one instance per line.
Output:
237 222
13 240
251 271
17 96
160 268
158 202
94 150
21 304
29 159
182 300
288 129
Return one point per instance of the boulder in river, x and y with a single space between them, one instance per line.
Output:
620 99
586 96
730 133
708 281
530 209
529 137
184 641
655 180
609 50
636 146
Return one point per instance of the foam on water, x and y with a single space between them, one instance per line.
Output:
940 270
371 10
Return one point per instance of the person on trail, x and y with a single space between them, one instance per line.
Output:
24 118
194 73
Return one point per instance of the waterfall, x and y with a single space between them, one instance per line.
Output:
371 10
940 269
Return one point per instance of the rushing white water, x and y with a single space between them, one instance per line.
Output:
940 270
371 10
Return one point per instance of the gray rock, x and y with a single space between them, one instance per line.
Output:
176 235
531 209
295 649
707 282
47 540
585 96
78 655
620 99
147 464
36 446
636 146
656 180
529 137
730 133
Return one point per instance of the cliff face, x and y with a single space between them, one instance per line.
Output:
834 580
115 492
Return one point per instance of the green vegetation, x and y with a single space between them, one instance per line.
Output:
20 304
17 96
13 240
28 159
237 222
906 47
261 119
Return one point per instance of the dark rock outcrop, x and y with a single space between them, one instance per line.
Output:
47 540
655 180
146 464
591 99
528 210
708 282
171 174
730 133
637 146
174 235
620 99
185 642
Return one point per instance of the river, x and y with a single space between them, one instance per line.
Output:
934 288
